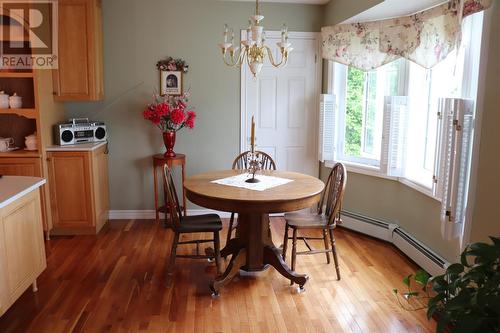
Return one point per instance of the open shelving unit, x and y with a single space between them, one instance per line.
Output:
38 114
21 153
29 113
18 123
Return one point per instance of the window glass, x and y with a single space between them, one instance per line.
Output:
425 87
364 111
354 111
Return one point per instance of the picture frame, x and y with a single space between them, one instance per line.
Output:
171 83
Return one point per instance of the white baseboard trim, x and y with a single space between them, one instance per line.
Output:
149 214
423 255
131 214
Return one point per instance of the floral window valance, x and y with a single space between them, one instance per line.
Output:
425 38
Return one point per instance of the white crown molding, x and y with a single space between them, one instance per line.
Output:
393 8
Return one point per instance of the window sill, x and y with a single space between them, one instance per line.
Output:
417 187
374 172
362 169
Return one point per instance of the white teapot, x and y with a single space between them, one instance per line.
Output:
15 102
4 100
30 142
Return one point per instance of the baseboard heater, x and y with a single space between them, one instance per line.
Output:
426 258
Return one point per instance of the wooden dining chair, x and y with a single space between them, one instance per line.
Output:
326 218
241 162
181 224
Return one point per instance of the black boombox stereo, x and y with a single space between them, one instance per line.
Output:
79 130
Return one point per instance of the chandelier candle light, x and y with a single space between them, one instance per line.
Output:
253 49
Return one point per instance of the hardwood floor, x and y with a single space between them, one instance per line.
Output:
114 282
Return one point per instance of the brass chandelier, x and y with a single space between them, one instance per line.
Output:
253 49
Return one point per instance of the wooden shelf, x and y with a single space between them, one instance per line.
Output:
16 74
21 153
25 112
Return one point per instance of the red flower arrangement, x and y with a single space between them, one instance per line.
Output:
170 113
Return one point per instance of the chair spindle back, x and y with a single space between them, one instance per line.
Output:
333 193
241 162
172 205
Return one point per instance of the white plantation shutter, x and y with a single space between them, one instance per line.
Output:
465 162
395 129
453 162
327 130
442 147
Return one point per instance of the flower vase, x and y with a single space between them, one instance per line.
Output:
169 141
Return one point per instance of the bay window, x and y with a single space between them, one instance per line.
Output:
387 120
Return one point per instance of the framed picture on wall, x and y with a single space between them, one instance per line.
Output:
171 82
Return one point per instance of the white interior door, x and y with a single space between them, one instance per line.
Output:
284 102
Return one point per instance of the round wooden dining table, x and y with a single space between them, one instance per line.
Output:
252 249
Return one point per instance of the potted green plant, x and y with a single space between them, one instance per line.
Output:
466 298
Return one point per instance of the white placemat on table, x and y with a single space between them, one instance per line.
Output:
266 182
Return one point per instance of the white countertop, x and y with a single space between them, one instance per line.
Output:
79 147
15 187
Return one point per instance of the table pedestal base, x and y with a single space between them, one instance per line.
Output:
244 272
252 250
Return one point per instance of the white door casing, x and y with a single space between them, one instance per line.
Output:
285 103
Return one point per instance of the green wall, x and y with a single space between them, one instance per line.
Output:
394 202
337 11
139 33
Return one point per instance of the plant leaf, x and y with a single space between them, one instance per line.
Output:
422 277
406 280
495 240
438 283
433 305
463 258
431 309
455 269
483 251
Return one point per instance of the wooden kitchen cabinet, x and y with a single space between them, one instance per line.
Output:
25 166
22 251
79 76
18 166
79 190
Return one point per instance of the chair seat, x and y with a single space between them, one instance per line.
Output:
205 218
306 220
200 223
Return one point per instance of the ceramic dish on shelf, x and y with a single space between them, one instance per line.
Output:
4 100
30 142
15 101
10 149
